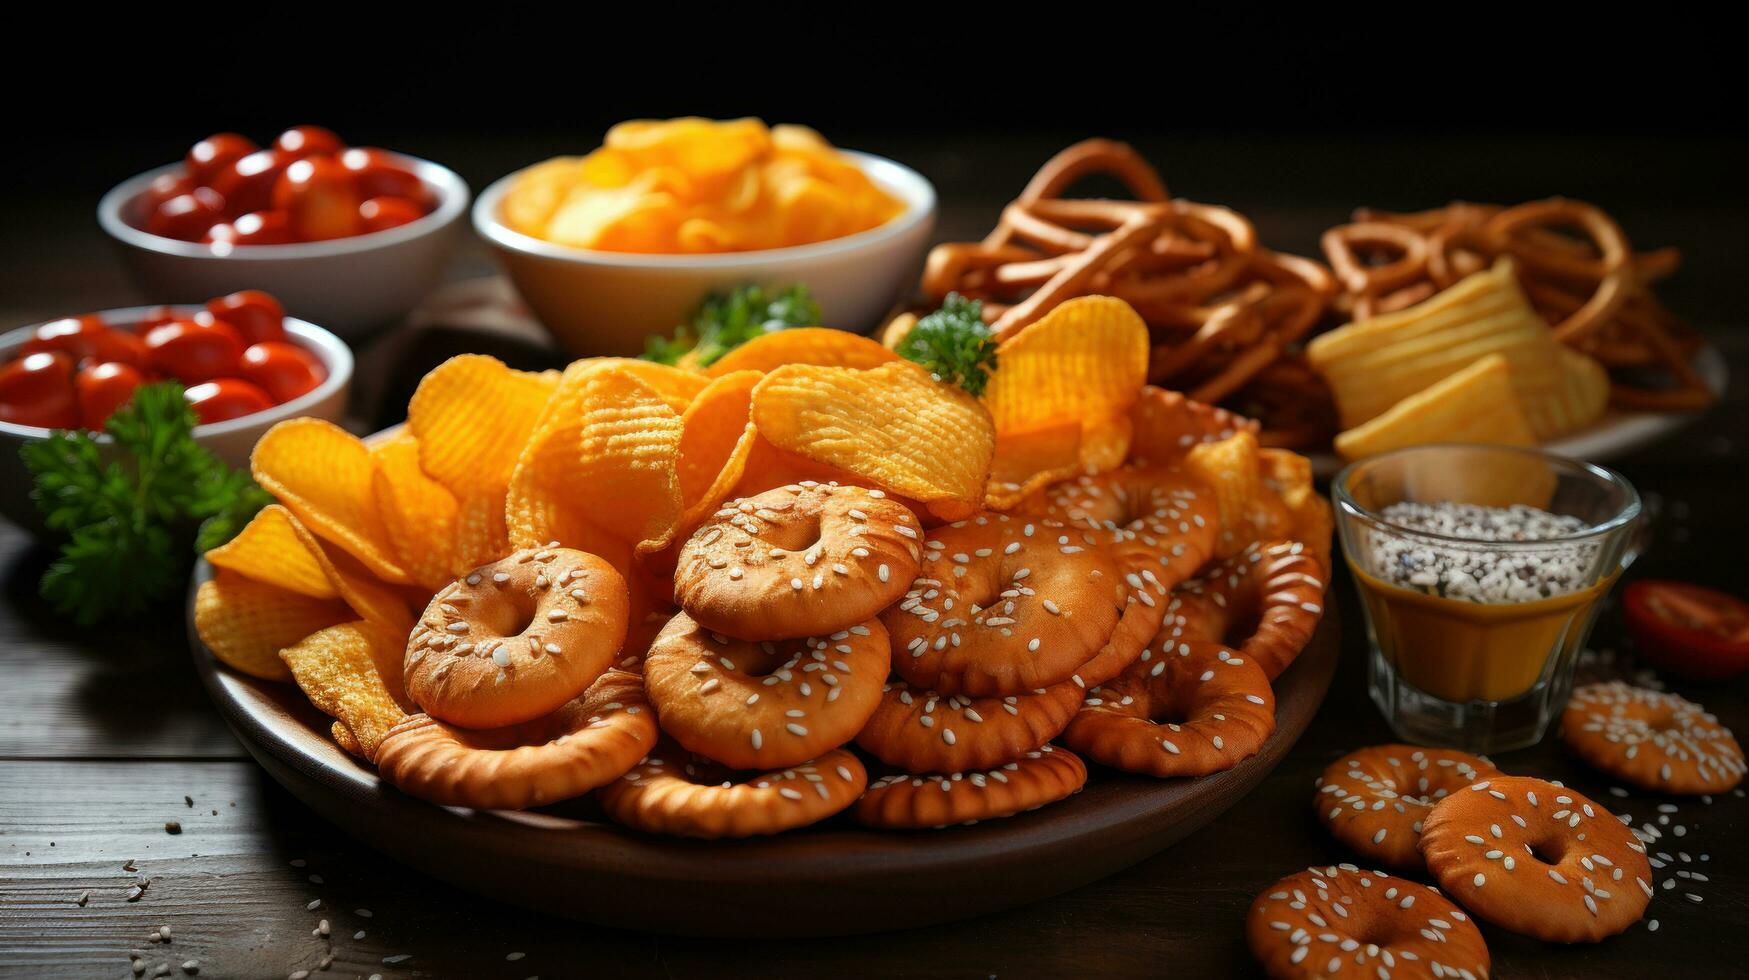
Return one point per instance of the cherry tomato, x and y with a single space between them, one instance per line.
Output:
1688 629
320 197
194 350
247 184
383 213
103 388
118 346
283 370
162 188
382 174
37 389
213 154
155 318
188 216
307 141
73 335
255 228
255 315
226 398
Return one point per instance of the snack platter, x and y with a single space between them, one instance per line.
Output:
562 859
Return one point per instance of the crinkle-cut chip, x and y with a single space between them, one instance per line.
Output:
1087 359
1167 424
630 446
347 741
1105 443
716 437
891 426
337 670
472 415
675 386
246 623
322 474
273 548
1030 459
823 346
417 512
540 503
1233 468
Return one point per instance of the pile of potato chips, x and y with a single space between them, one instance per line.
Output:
685 186
625 458
1474 363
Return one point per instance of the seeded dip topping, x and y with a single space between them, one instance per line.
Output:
1477 574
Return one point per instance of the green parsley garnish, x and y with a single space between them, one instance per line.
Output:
725 321
954 344
131 511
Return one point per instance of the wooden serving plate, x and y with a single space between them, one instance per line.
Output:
831 879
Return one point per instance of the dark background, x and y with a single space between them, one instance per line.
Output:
1291 123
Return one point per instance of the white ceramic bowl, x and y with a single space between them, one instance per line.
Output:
231 440
353 286
596 302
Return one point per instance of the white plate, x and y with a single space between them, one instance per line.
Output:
1616 434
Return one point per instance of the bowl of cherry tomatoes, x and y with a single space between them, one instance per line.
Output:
347 236
244 365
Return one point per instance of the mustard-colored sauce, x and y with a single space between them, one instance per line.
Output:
1465 651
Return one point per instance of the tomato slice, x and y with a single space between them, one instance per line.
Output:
1688 629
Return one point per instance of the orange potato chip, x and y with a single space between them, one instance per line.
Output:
337 670
716 437
675 386
1234 468
322 474
889 426
246 623
417 513
897 329
1288 475
1030 459
472 415
347 741
803 345
274 548
1167 424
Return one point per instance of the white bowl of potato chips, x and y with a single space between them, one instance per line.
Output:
624 243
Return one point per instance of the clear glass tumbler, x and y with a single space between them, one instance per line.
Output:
1474 639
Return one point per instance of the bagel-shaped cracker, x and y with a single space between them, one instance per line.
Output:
1537 858
921 731
1656 741
1187 710
1375 799
514 640
587 743
1168 513
904 802
1265 601
765 704
801 560
673 793
1144 611
1004 605
1341 921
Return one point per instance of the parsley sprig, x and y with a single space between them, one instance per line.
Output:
954 344
725 321
131 511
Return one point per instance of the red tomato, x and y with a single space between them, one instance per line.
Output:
155 318
255 315
162 188
188 216
194 350
283 370
118 346
103 388
383 213
381 174
307 141
37 389
1688 629
319 195
255 228
73 335
226 398
211 155
247 184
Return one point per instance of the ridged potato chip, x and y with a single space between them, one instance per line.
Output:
1473 405
417 513
472 415
322 474
803 345
347 741
716 437
1030 459
337 670
246 623
1166 425
676 387
1249 511
276 549
890 426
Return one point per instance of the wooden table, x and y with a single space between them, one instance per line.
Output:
106 737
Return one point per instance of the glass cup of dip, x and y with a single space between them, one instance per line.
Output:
1480 569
